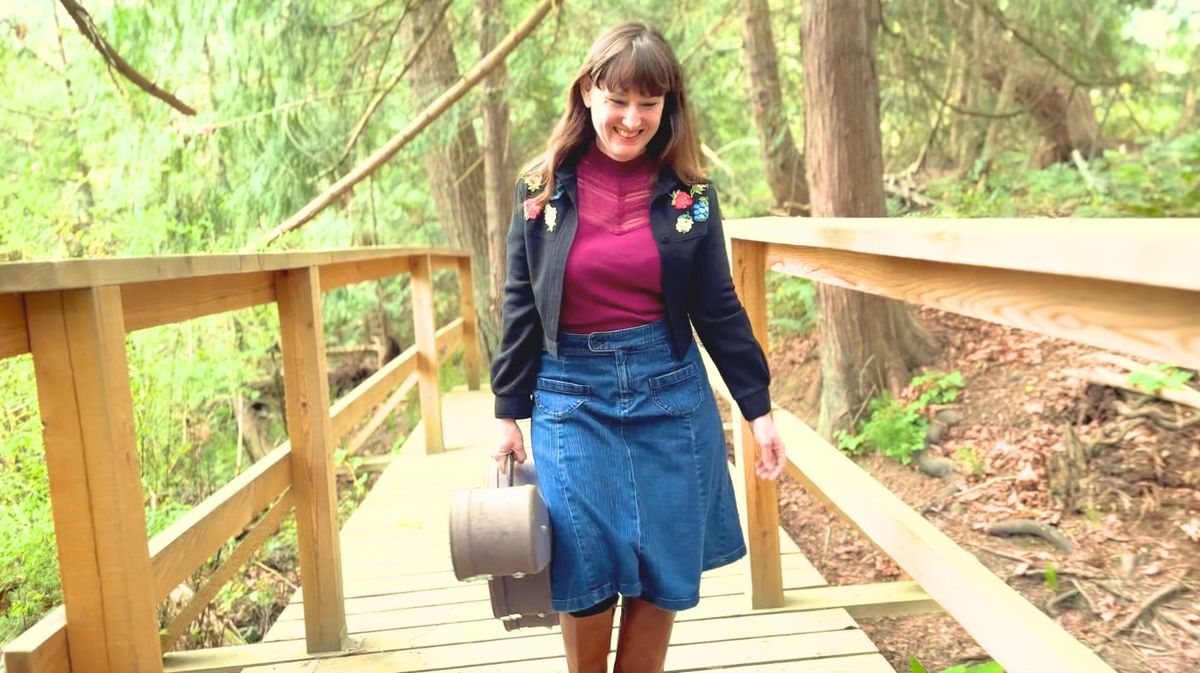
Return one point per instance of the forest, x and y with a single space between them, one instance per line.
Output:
199 126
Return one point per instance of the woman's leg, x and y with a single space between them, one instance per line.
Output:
644 634
587 637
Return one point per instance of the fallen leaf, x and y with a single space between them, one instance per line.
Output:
1152 569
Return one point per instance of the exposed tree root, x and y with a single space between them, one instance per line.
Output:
1030 527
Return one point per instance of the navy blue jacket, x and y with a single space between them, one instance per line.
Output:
696 286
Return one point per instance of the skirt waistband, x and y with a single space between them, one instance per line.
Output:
628 339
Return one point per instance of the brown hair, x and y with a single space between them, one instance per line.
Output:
628 57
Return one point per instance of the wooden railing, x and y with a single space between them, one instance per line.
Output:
1128 285
73 317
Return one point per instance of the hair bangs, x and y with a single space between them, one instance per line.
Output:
639 67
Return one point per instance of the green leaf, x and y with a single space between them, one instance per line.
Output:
914 666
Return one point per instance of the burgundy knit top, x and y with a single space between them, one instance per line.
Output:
613 276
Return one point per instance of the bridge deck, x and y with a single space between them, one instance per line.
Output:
406 611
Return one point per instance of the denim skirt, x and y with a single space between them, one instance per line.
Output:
631 464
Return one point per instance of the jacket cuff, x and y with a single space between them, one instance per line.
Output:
514 406
752 405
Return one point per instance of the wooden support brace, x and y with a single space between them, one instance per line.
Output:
78 343
310 431
759 501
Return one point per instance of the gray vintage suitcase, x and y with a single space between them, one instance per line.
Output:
502 533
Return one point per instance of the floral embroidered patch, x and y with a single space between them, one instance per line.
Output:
551 217
684 224
533 183
532 208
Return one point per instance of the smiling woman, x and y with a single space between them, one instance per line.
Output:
615 252
624 122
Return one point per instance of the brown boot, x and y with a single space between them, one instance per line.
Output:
587 641
643 638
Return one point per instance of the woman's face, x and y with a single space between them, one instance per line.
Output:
624 121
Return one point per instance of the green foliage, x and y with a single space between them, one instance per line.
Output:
915 666
1052 577
1159 377
972 458
791 305
895 429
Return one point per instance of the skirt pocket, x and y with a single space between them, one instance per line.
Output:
557 399
679 392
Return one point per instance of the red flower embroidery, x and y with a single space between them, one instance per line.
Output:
681 200
533 208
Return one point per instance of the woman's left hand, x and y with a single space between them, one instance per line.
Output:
771 456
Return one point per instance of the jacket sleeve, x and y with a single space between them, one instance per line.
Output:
722 324
515 366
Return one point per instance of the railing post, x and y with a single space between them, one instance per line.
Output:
425 329
759 502
78 342
310 431
466 287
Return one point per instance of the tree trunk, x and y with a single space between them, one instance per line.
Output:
784 163
497 158
868 344
455 170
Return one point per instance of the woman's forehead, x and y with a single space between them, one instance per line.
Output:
626 93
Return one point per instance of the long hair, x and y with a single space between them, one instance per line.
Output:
625 58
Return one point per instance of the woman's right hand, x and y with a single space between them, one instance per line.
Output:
511 441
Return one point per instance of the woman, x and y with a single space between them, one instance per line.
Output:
615 245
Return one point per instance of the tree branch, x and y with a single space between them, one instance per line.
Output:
361 124
434 110
998 17
114 60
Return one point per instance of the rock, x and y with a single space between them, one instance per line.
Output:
934 466
934 433
949 417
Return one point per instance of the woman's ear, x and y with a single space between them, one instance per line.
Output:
585 92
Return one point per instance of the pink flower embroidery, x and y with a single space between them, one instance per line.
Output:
533 208
681 200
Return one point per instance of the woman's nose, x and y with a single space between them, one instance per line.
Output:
632 119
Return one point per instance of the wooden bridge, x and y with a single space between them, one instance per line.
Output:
378 595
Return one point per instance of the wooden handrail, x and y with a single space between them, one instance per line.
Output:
1120 284
144 292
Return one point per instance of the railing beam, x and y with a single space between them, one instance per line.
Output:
310 431
78 343
760 502
425 328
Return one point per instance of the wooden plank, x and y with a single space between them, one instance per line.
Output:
1158 251
176 300
867 601
350 409
720 585
78 273
466 291
1018 635
263 529
759 499
1154 322
310 431
427 359
341 274
14 337
180 549
42 648
377 419
535 651
471 634
78 341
